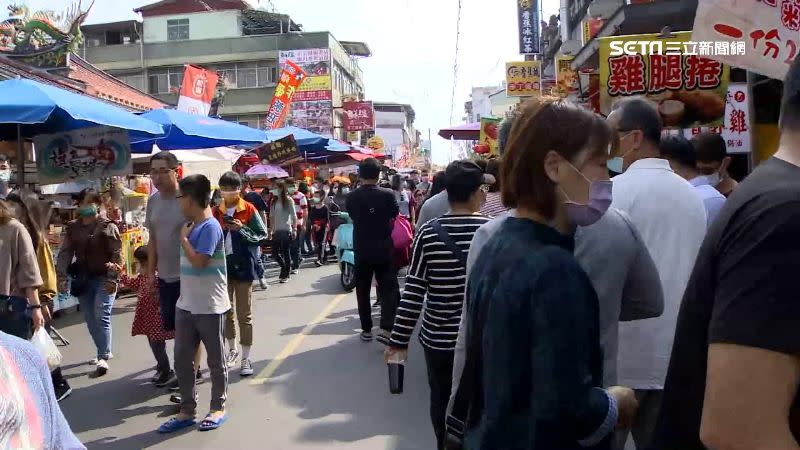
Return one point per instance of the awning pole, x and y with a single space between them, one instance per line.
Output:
20 158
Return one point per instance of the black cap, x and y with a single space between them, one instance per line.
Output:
466 174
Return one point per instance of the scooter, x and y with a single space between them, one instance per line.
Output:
345 255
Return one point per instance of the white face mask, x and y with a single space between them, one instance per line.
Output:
714 179
5 175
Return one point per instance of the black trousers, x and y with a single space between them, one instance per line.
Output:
388 292
281 243
440 380
319 241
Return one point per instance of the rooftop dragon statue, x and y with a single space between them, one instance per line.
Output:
42 32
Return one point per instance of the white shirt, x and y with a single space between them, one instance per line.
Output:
228 238
671 219
713 201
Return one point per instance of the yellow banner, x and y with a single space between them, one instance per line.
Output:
566 78
690 90
524 78
322 83
489 134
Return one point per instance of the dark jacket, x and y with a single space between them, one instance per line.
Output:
243 264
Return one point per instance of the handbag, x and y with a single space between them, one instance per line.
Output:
15 317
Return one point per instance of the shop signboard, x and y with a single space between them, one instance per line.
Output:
312 96
82 155
358 116
566 76
315 62
280 151
376 144
490 127
590 29
736 128
291 77
523 78
768 29
689 89
197 90
529 26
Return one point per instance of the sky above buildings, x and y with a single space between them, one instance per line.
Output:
413 44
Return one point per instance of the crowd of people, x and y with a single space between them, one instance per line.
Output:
597 282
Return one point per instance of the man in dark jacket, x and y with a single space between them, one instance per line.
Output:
243 231
373 211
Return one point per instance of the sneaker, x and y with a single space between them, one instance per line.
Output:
295 271
318 263
284 280
165 378
102 367
156 376
377 304
233 356
95 359
246 369
263 284
62 391
366 336
173 385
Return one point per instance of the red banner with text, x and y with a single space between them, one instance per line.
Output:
358 116
291 78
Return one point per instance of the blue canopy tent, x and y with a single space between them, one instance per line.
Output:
29 108
184 131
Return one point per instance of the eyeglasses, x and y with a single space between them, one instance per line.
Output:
155 172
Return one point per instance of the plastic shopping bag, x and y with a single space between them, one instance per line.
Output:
44 343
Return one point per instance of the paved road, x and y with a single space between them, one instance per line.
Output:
316 385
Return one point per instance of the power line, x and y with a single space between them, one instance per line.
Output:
455 63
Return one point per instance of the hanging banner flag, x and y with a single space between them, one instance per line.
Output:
529 26
291 77
358 116
566 76
197 90
758 35
490 128
83 154
524 78
689 89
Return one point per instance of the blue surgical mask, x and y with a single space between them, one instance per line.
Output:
291 190
615 164
87 211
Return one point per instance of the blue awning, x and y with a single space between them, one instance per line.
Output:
184 131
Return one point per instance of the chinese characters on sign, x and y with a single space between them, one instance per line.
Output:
358 116
197 90
524 78
768 29
84 154
312 106
736 129
566 77
529 27
661 47
291 77
689 89
280 151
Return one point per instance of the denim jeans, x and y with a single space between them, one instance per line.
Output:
295 245
96 305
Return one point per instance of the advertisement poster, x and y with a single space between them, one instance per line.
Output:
197 90
590 29
529 27
291 77
524 78
376 144
315 62
489 130
690 90
84 154
770 30
736 130
280 151
314 116
566 77
358 116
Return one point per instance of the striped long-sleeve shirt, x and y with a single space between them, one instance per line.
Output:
437 273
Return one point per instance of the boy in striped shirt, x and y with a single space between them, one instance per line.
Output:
438 270
200 311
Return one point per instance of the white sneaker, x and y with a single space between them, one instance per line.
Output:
246 368
230 360
102 367
94 360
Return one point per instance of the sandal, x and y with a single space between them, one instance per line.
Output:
173 425
208 423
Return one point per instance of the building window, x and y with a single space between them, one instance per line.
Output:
113 38
177 29
250 120
249 74
165 81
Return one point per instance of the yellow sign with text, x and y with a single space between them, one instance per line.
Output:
524 79
322 83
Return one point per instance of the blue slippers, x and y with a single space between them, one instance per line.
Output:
208 423
173 425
